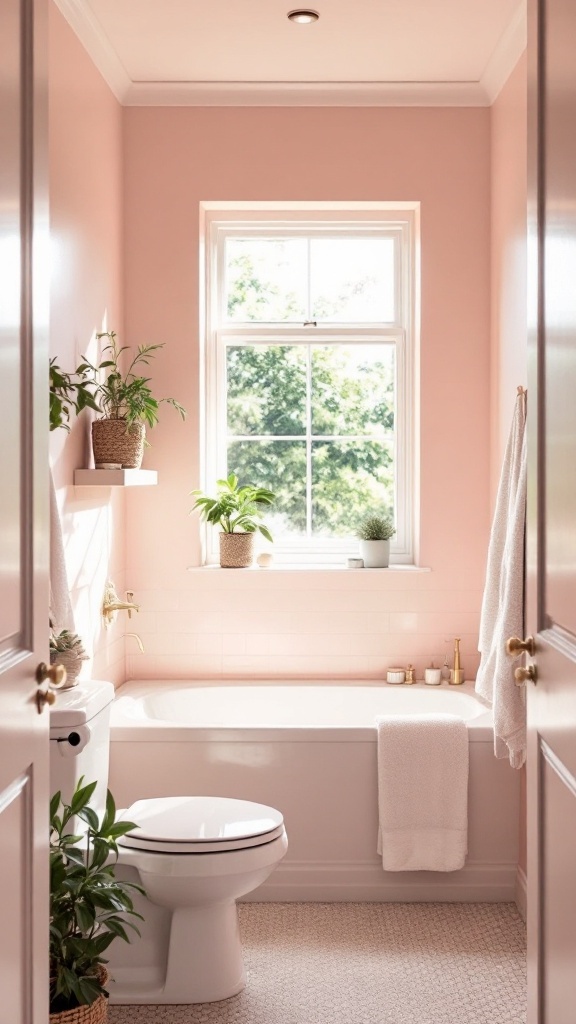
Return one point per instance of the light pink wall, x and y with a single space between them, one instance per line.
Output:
85 126
508 258
217 622
508 321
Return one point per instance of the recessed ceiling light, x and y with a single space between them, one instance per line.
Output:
303 16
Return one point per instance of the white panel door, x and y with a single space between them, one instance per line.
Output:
23 513
552 514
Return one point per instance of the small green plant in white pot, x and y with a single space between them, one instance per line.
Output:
238 512
375 532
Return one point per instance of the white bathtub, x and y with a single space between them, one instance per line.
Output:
310 750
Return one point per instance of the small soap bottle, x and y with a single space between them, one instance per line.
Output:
410 675
432 675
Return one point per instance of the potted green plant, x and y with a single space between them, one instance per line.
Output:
126 401
375 532
238 512
67 391
67 649
89 906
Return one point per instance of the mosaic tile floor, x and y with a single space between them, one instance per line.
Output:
369 963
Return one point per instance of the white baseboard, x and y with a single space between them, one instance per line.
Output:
366 882
521 892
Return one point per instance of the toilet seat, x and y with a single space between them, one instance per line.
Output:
200 824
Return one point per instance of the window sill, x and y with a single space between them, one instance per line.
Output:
311 567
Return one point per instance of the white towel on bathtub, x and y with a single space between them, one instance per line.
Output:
422 792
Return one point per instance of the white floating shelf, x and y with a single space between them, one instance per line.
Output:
115 477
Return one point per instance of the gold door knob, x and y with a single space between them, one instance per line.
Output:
522 675
44 697
56 674
516 646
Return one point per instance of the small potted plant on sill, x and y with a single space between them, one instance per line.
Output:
375 532
67 649
238 511
89 906
126 401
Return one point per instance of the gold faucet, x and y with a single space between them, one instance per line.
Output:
112 603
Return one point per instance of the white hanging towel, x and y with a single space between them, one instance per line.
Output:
422 792
503 603
61 614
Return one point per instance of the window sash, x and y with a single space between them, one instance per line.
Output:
396 234
221 333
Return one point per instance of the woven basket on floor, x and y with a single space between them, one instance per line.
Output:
113 441
236 550
95 1013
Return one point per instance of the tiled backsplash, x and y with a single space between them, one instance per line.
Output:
296 623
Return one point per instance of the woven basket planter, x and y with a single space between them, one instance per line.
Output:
113 441
236 550
95 1013
72 662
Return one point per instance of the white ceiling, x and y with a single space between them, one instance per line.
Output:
247 52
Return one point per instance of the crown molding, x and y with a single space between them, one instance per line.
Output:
305 94
505 57
294 94
99 48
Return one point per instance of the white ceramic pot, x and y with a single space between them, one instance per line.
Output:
376 553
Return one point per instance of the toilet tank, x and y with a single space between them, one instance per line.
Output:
80 740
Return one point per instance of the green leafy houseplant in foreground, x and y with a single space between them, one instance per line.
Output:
235 509
89 907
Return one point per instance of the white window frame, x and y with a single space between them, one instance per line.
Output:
385 220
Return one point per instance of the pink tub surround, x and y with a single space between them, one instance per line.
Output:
422 792
309 747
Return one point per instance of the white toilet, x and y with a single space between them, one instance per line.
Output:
194 855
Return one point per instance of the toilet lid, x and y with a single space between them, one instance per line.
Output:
200 824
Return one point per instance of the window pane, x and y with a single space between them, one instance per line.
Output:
349 479
352 280
353 389
266 389
266 279
280 466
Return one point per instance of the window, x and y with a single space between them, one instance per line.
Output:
310 372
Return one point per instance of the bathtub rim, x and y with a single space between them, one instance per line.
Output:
124 729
